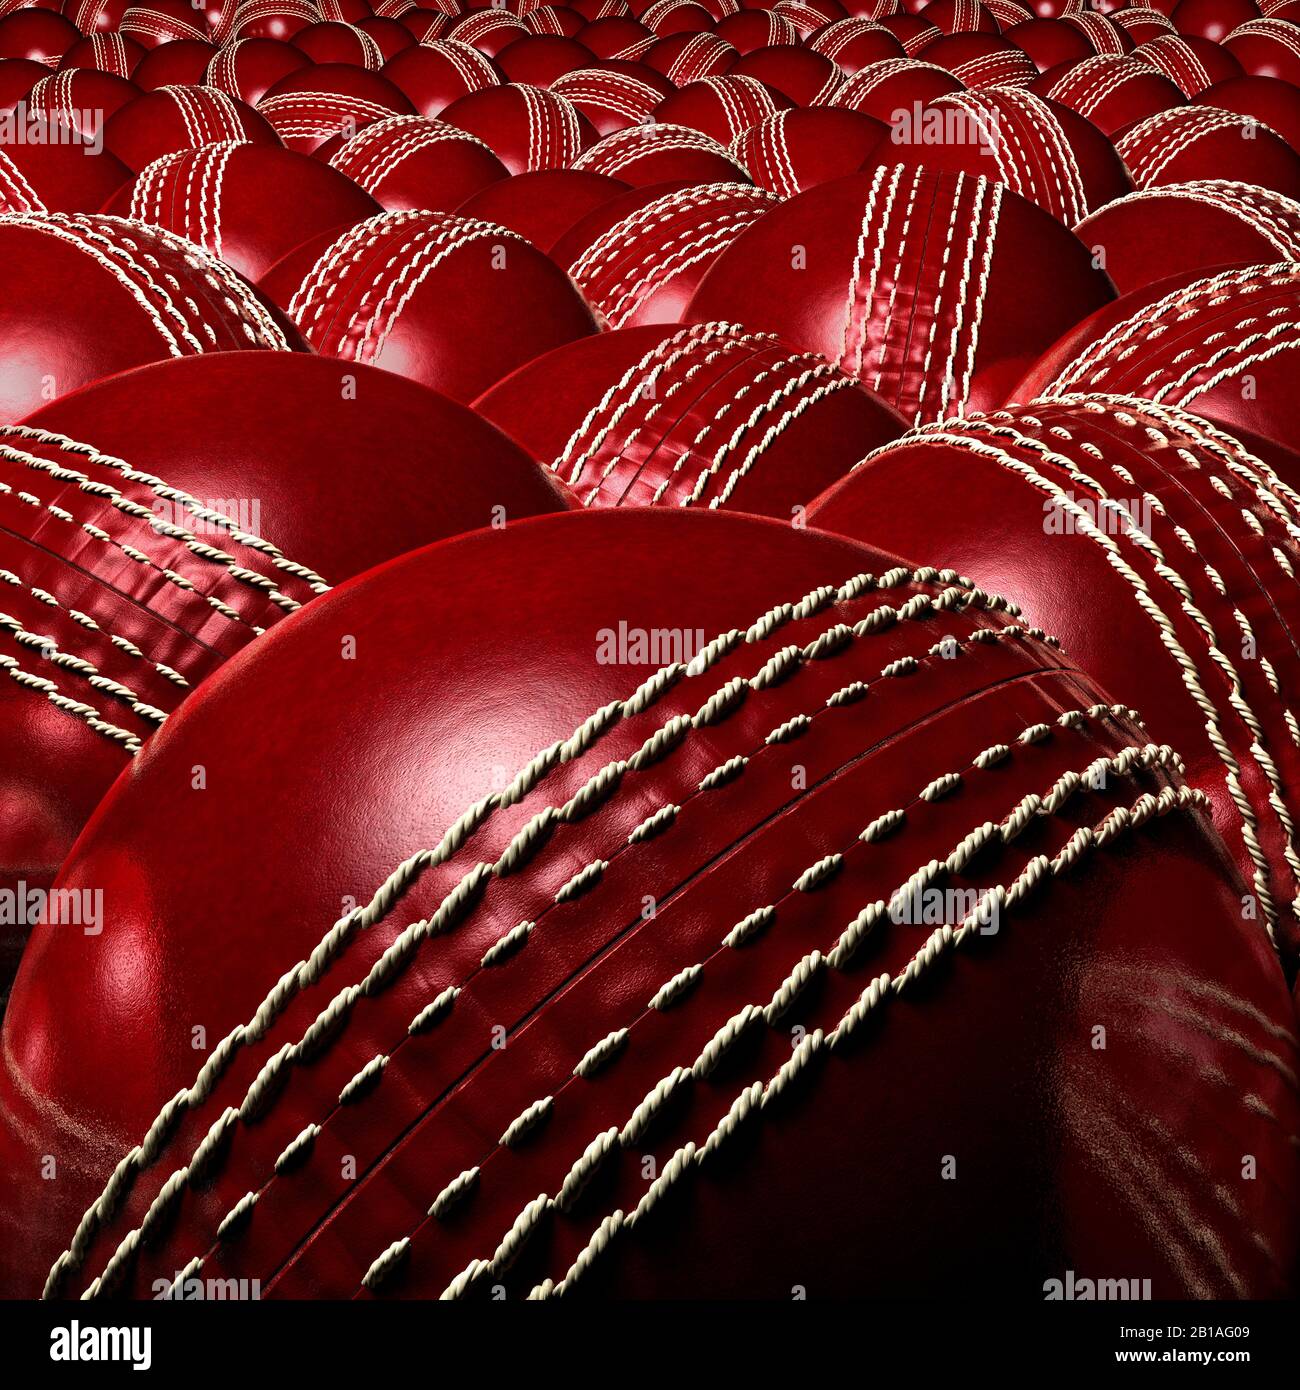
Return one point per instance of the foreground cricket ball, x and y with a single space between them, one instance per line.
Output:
935 290
249 205
82 297
1164 554
603 954
709 415
131 568
1223 345
448 301
1157 233
639 258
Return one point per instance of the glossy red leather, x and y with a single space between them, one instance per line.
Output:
335 465
805 272
705 416
1141 937
1166 596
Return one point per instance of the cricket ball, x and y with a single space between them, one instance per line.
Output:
40 35
57 178
1113 93
798 149
614 95
687 58
936 290
414 162
612 35
537 60
1191 64
1212 19
897 84
79 100
650 154
434 75
249 205
1039 149
1163 553
982 60
448 301
801 76
1189 143
315 104
248 68
747 30
333 42
542 207
149 558
1224 345
1267 48
104 53
527 128
180 63
83 296
639 257
1268 100
1185 229
161 22
181 118
685 891
854 44
273 19
709 415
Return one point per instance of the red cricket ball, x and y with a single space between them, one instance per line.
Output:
1163 553
639 257
434 75
709 415
180 534
934 289
684 888
543 206
448 301
795 150
1188 228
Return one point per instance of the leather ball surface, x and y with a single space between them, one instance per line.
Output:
934 314
708 415
399 290
1163 553
178 536
511 806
